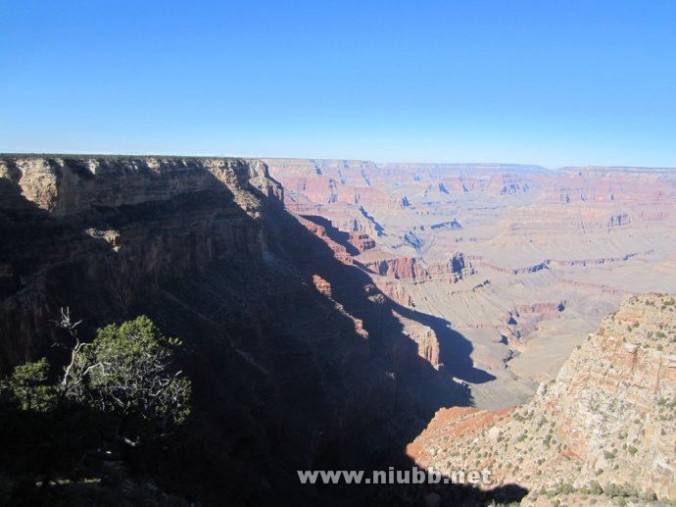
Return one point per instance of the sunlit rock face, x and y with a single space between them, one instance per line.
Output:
603 429
520 260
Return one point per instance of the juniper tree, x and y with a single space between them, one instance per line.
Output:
126 372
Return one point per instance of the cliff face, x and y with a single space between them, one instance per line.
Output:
78 185
298 360
93 233
411 268
604 425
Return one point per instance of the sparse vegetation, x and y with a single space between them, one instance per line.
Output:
120 392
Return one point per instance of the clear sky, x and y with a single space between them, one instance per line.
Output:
545 82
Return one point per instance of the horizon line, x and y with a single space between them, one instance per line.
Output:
346 159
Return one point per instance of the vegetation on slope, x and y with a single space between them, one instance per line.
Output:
74 436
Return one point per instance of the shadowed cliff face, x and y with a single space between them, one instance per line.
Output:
92 233
286 376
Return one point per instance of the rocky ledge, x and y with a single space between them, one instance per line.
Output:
604 426
64 185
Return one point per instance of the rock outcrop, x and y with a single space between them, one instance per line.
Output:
412 268
605 425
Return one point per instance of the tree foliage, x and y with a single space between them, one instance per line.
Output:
29 386
117 398
127 371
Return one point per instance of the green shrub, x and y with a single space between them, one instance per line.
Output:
127 371
29 386
130 373
595 488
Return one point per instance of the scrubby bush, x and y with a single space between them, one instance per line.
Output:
595 488
128 371
30 388
118 394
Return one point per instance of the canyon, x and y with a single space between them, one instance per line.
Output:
297 359
521 261
330 308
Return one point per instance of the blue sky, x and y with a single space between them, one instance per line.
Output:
546 82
